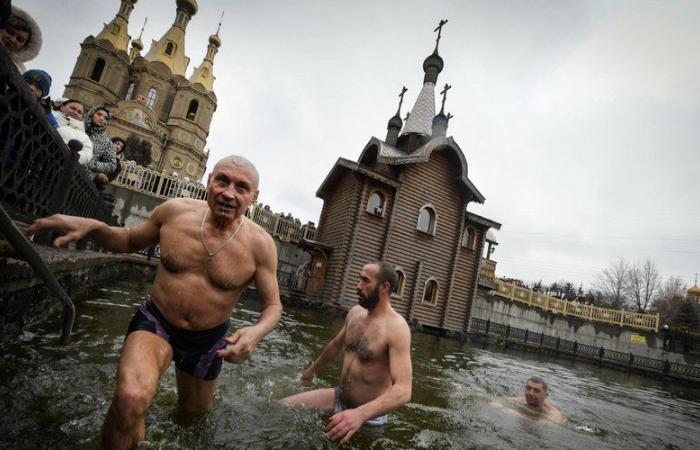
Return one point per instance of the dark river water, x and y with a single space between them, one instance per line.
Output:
54 397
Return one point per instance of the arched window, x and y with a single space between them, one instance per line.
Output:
192 110
430 292
98 69
426 220
375 204
398 289
169 48
129 92
205 72
151 97
469 238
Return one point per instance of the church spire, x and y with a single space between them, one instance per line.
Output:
204 74
441 120
170 49
116 31
423 112
137 44
395 123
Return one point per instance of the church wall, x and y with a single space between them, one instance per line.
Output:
466 275
368 238
433 182
335 230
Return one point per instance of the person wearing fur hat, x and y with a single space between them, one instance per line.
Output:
104 156
21 37
39 83
69 117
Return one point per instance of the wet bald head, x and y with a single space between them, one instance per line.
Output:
240 162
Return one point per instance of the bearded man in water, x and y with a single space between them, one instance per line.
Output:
376 374
535 396
210 252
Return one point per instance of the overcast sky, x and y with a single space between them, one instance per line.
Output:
579 119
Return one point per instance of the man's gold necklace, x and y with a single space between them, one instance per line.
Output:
211 254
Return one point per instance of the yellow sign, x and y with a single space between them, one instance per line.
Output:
638 339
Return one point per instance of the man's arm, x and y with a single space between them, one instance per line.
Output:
328 354
244 340
345 423
113 239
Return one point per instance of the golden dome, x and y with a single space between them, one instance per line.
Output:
215 40
695 289
190 6
137 44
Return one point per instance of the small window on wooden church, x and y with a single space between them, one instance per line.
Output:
98 69
192 110
469 239
375 204
151 98
426 220
169 47
129 92
430 293
398 289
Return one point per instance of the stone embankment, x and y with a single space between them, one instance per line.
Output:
24 299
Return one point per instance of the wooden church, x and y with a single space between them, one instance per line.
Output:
406 201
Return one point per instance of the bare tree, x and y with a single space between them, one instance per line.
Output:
643 284
611 282
669 298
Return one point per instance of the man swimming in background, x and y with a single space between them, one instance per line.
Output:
536 392
376 374
209 254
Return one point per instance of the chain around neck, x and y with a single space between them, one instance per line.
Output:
211 254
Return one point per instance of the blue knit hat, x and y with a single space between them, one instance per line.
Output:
39 77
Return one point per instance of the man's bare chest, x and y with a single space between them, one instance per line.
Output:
367 342
182 253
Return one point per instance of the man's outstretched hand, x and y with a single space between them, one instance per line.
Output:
73 228
241 345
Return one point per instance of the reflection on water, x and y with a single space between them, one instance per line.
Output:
57 397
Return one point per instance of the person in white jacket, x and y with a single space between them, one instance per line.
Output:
70 126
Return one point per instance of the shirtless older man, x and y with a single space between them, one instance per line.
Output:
376 373
209 253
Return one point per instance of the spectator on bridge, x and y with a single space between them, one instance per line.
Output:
104 155
39 83
119 146
69 117
21 37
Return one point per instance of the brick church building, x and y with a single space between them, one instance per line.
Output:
150 95
406 200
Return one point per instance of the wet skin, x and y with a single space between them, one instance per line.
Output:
376 376
191 290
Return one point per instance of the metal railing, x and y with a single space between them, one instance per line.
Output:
507 334
589 312
280 227
161 185
157 184
39 175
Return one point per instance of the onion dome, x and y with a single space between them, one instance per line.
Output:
189 6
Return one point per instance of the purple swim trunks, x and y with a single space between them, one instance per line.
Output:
194 352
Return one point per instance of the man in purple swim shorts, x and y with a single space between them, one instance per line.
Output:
210 252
